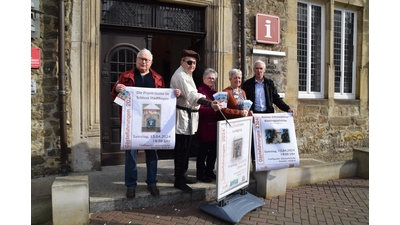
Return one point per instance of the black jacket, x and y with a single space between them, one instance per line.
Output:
271 94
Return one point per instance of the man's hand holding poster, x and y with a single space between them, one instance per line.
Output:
275 143
148 119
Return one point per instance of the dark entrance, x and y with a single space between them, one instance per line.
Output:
128 27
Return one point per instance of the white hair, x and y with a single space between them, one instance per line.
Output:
208 71
234 71
259 61
145 50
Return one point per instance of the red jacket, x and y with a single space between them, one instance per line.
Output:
128 79
231 111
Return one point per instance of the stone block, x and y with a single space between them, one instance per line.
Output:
340 121
361 155
271 183
70 200
41 211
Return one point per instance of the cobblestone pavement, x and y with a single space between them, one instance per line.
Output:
343 201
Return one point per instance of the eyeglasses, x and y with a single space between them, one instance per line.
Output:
189 62
143 59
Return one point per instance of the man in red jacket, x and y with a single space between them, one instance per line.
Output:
141 76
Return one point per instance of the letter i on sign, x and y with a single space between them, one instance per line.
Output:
268 29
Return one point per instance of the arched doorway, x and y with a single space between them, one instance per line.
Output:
128 27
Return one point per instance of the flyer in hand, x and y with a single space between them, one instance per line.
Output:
247 105
121 97
221 97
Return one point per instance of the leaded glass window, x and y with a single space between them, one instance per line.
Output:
344 53
310 51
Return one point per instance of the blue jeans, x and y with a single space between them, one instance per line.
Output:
131 173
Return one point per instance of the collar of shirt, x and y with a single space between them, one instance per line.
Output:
257 82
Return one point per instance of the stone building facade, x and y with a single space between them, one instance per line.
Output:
327 119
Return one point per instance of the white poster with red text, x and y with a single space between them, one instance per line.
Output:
148 119
275 142
233 155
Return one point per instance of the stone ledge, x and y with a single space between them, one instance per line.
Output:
361 155
319 173
275 182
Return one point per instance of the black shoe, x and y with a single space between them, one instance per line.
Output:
180 184
130 193
187 180
205 179
212 176
153 190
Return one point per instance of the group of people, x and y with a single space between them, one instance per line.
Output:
197 114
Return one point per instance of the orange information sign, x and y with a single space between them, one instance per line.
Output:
268 29
35 58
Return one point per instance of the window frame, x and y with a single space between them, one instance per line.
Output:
341 94
308 93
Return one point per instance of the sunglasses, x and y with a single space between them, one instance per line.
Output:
189 62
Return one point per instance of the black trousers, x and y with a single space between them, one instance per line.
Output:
206 156
252 147
181 154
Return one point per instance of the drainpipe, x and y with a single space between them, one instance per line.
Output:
61 88
243 39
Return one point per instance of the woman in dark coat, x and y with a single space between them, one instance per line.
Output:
207 130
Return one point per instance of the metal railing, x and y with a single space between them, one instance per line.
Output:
153 15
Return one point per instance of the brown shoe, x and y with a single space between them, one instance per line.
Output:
153 190
130 193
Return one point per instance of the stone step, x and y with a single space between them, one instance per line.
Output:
107 189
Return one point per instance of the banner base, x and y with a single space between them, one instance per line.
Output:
235 207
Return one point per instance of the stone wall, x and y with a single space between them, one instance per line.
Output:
324 128
45 129
322 125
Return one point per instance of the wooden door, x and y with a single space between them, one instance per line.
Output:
118 54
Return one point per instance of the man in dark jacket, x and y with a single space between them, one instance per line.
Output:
262 92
